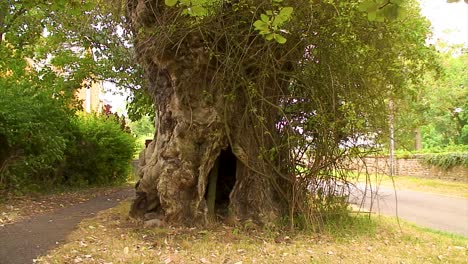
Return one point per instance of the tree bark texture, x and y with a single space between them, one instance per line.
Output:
196 122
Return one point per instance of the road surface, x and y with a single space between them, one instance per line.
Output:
24 241
439 212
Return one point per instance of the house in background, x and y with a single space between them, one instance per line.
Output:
91 94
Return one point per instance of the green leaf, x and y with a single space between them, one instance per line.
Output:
198 11
391 12
283 16
280 39
372 16
170 2
380 15
366 5
265 18
262 27
286 11
270 36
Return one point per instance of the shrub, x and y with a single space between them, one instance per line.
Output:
43 143
447 160
102 152
33 134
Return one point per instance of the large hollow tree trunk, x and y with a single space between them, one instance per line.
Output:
197 125
191 134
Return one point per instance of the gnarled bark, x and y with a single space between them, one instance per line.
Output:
197 124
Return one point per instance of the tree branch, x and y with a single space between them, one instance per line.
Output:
386 4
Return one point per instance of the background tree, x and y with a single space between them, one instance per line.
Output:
48 49
436 107
447 118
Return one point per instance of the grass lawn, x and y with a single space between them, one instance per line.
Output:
112 237
437 186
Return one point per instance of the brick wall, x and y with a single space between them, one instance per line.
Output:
409 167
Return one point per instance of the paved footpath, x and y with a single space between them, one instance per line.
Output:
24 241
438 212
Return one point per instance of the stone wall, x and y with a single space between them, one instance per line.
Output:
409 167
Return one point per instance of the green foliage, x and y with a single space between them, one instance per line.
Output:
143 130
49 49
34 124
270 23
448 160
456 1
331 207
140 105
193 8
433 150
446 149
171 2
447 107
329 213
85 40
44 143
102 152
437 106
379 10
143 127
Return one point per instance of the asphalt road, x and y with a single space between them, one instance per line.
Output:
438 212
21 242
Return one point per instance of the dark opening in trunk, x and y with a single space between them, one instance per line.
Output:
226 180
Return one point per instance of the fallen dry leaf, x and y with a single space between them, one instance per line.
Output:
204 261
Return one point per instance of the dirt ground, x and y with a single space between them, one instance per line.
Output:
35 229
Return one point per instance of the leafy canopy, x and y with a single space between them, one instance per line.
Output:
48 49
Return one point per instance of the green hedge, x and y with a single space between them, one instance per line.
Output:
33 134
102 153
447 160
43 143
